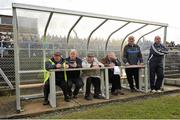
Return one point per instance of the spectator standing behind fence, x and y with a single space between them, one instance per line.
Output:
157 52
93 76
111 61
56 62
132 56
74 76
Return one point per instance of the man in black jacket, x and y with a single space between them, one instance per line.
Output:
157 52
132 56
56 62
74 76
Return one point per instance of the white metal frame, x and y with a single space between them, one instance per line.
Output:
75 13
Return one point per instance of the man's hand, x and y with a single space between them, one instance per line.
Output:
96 66
111 65
142 63
66 66
58 66
74 65
127 64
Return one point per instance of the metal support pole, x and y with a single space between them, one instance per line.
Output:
130 34
16 60
6 79
148 33
102 82
89 37
140 79
164 42
68 36
146 78
107 83
52 94
107 41
45 40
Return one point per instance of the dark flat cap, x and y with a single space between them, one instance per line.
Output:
57 54
90 54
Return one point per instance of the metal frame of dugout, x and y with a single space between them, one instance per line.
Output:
80 15
143 75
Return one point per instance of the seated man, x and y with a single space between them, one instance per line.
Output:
110 61
74 76
56 62
92 76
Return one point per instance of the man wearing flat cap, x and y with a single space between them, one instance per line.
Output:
93 76
56 62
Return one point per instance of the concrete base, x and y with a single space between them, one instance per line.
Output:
34 107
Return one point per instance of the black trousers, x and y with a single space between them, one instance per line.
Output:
96 83
133 75
59 82
115 81
156 69
78 85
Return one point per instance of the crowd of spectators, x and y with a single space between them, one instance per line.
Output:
172 44
6 40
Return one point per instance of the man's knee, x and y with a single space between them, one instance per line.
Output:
79 83
46 84
69 83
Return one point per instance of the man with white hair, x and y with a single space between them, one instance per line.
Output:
111 61
74 76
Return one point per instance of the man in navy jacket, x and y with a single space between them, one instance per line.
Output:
132 56
56 62
157 52
74 76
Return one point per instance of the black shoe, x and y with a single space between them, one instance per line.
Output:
120 92
99 97
88 97
46 102
70 97
133 90
75 96
67 99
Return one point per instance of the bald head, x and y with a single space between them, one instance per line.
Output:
157 39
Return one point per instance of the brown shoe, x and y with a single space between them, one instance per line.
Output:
120 92
115 93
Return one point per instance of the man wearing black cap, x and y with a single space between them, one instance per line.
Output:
56 62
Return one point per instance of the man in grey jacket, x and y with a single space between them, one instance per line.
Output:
93 76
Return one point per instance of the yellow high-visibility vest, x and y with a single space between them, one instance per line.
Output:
47 74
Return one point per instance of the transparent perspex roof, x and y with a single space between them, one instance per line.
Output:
42 30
